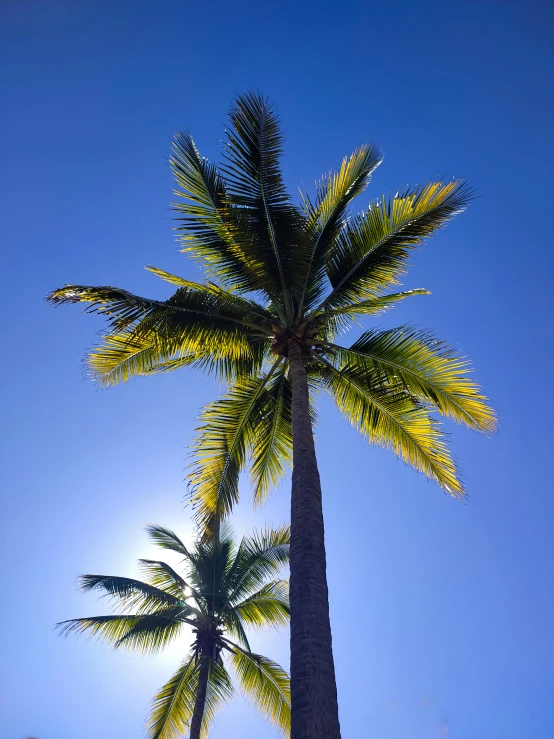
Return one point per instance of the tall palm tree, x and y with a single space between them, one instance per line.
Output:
223 589
283 281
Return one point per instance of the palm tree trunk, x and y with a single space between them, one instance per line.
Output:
313 687
200 702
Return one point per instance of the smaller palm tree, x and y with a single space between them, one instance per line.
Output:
225 589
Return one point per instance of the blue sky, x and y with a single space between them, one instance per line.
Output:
441 612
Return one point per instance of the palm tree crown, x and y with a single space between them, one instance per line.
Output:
224 590
279 271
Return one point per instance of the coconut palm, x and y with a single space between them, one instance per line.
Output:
284 280
224 589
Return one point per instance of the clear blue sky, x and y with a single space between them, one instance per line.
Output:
442 612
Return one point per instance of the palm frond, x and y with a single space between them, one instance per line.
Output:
269 606
173 705
163 576
223 440
336 319
167 539
430 371
255 184
131 593
370 253
259 556
272 436
154 631
327 215
208 328
266 684
148 632
211 230
219 690
388 416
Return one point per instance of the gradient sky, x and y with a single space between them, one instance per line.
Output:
442 612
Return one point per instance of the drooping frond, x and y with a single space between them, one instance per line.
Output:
327 215
223 441
370 253
387 415
206 327
219 690
154 631
255 184
266 684
131 593
269 606
212 231
173 705
144 633
259 557
429 370
272 436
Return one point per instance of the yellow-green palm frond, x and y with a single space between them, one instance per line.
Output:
147 633
224 301
207 328
370 252
130 593
173 705
269 606
326 216
211 230
271 452
388 416
266 684
222 445
430 371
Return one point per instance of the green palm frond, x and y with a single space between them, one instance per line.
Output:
388 416
163 576
370 252
271 447
326 216
192 325
254 183
144 633
223 440
131 593
235 628
269 606
259 556
218 692
429 370
167 539
266 684
173 705
211 230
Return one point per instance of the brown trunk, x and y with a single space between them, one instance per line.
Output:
200 702
313 687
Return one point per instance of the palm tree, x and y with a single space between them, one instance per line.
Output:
225 588
283 281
